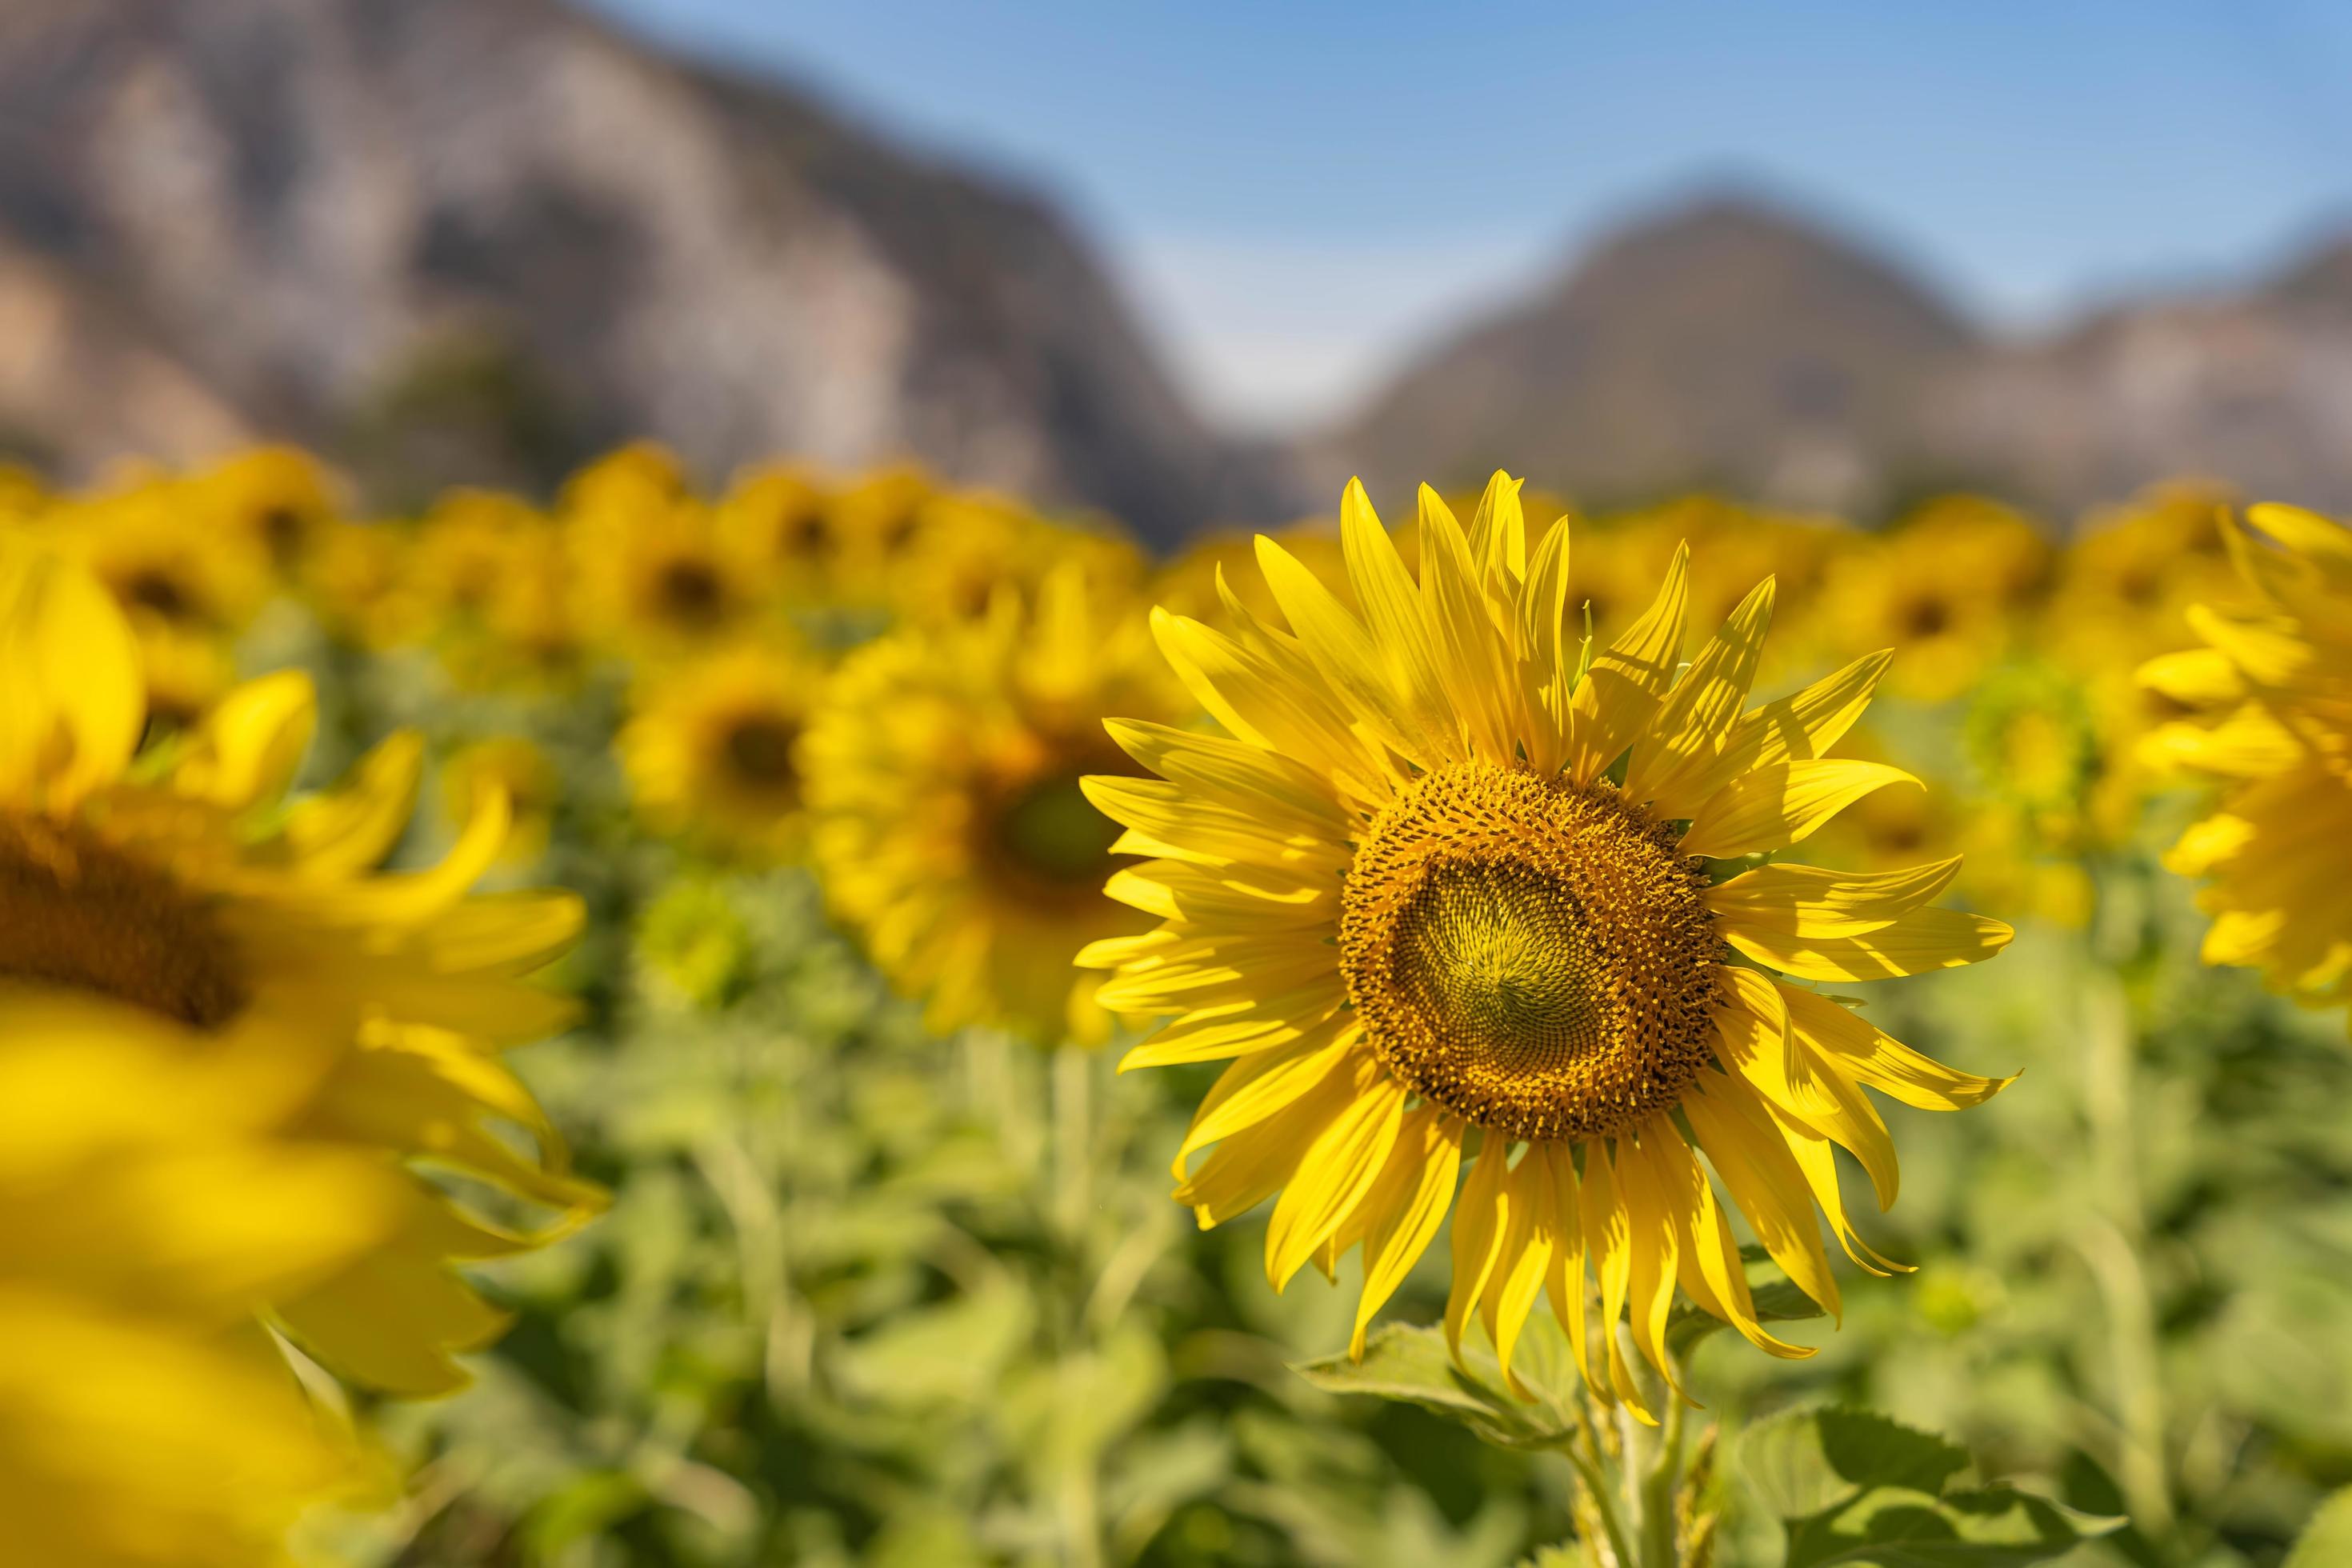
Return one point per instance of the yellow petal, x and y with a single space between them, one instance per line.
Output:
1480 1219
1883 1062
1264 1083
1808 900
1623 688
1608 1237
1711 1272
1920 941
1339 1169
248 747
1676 754
1524 1261
1407 1204
1773 808
1651 1245
77 702
1805 725
1762 1177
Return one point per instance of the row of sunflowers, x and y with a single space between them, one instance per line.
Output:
1447 871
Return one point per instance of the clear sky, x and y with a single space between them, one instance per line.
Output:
1297 193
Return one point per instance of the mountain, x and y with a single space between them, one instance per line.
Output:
1725 344
1730 344
360 222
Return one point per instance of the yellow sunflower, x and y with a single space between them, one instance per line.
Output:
781 515
276 498
664 582
360 580
713 750
1408 895
2272 689
147 545
943 768
1946 586
183 906
511 766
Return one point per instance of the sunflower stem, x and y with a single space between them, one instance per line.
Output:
2111 1245
1661 1483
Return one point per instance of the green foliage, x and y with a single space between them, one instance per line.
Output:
1853 1488
2328 1541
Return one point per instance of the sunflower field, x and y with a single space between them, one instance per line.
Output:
847 1021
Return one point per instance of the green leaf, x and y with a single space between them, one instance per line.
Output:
1854 1488
1412 1365
2328 1540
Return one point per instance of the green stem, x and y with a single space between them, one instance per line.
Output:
1603 1497
2112 1245
1661 1484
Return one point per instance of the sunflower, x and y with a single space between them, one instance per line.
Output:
510 766
943 767
276 499
781 514
663 581
713 750
1407 894
146 545
362 582
181 904
1946 585
2272 691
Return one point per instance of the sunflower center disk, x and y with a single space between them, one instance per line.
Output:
77 914
1530 955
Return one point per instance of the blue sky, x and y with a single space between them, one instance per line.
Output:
1297 195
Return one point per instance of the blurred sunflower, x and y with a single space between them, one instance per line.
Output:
943 768
713 750
781 516
146 1423
1946 586
2272 690
183 906
143 545
362 582
186 671
276 498
510 766
466 548
662 583
1405 893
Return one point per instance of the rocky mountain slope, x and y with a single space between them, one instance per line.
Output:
329 217
1730 343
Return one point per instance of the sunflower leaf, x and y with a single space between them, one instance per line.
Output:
1854 1488
1412 1366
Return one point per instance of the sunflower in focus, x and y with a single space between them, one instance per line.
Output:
2272 691
1946 586
713 751
179 909
943 767
1453 890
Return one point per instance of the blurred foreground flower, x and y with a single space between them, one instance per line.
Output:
2272 690
1409 897
228 1052
943 770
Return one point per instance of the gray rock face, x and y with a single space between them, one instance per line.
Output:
319 206
1728 344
